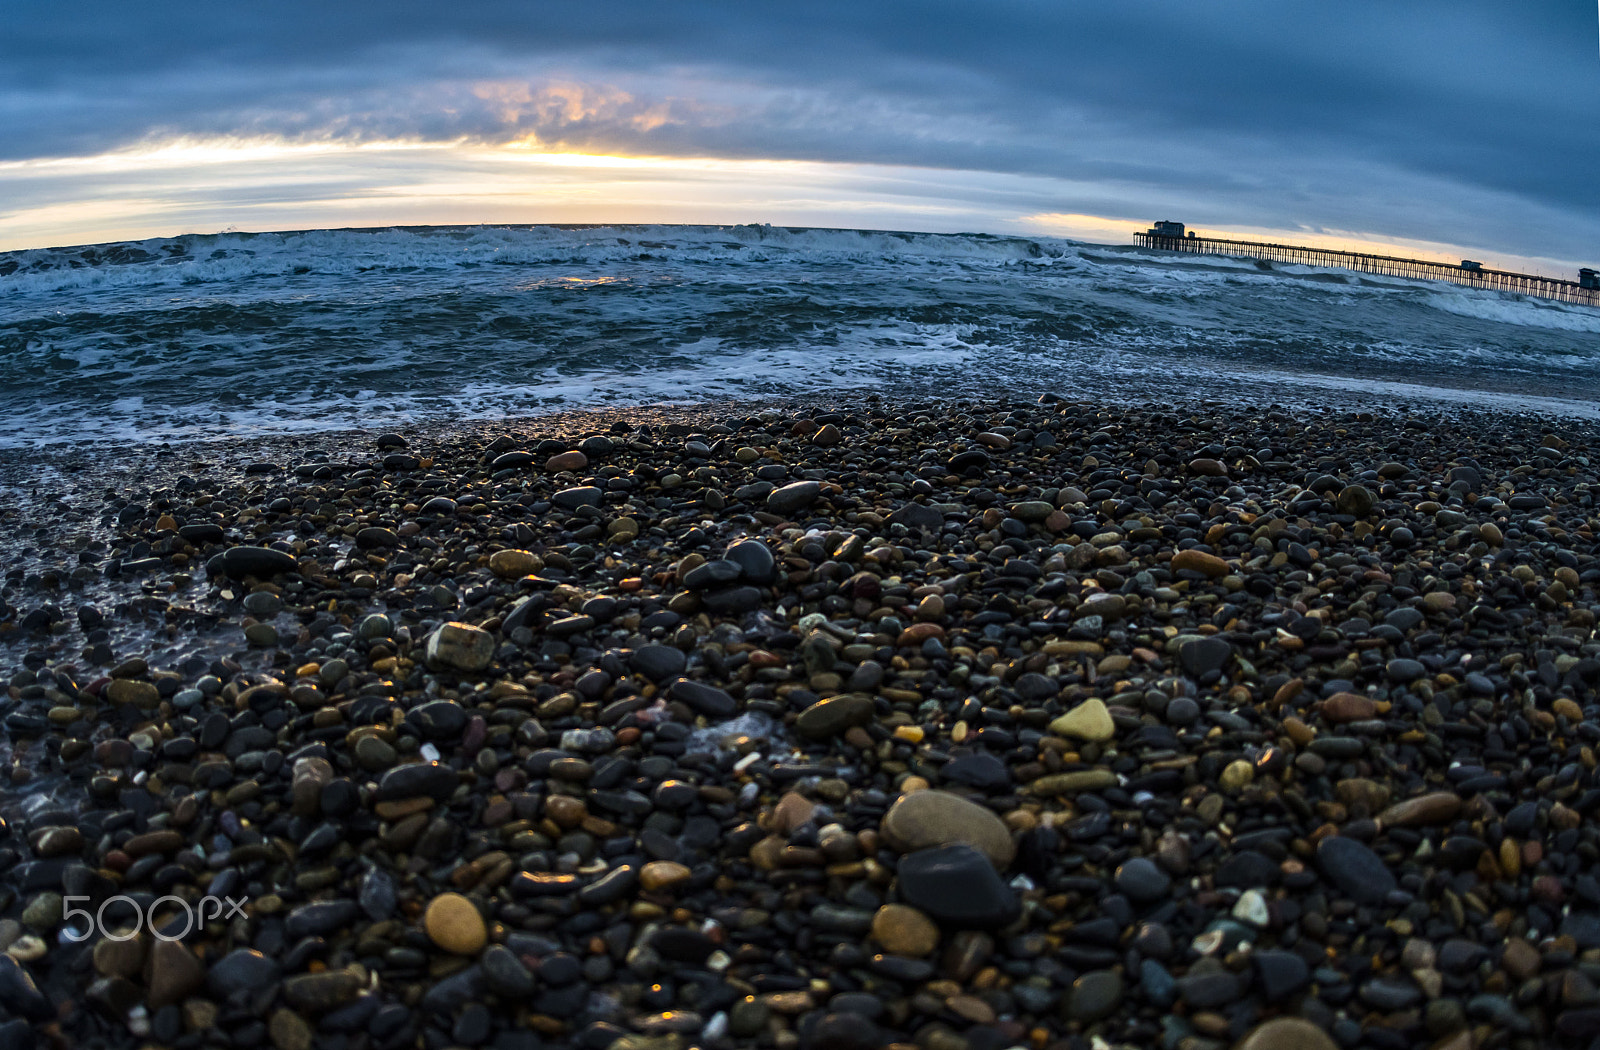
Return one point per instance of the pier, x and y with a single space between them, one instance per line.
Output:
1171 236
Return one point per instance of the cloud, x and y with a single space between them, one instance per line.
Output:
1352 116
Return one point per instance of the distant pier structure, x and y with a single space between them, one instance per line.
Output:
1171 236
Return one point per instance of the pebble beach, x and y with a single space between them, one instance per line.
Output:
834 725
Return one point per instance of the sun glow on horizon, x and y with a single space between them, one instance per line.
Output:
259 184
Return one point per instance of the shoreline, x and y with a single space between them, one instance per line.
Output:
1155 730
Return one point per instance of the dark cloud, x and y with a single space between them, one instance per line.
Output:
1329 115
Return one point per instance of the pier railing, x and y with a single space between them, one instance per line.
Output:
1500 280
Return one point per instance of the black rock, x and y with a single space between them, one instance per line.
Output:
320 918
611 887
733 600
1142 881
713 573
454 992
202 532
958 886
377 895
512 460
1280 974
755 561
703 699
793 497
969 463
1247 869
841 1031
19 995
17 1034
261 562
375 537
243 969
432 779
580 496
438 720
505 974
1359 873
1200 656
1390 993
1403 671
682 944
657 662
1094 996
1208 990
980 770
918 516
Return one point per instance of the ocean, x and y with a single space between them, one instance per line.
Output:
238 334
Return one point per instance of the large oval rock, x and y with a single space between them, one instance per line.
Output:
1439 807
830 717
957 886
1359 873
925 819
703 699
260 562
460 646
793 497
1286 1033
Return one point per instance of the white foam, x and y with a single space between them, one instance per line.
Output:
1515 309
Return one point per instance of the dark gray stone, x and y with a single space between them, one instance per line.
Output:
703 699
793 497
1199 656
1359 873
1141 881
958 886
657 662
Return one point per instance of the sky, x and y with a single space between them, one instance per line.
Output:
1447 129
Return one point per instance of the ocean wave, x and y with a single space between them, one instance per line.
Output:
207 335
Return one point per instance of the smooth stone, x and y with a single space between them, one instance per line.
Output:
377 895
755 561
1359 873
174 973
1071 783
260 562
1199 656
514 564
1355 500
658 662
703 699
460 646
1280 974
793 497
1141 881
903 930
324 991
1403 671
505 973
1201 562
1094 996
924 819
243 969
832 716
957 886
1439 807
1088 721
578 496
1286 1033
454 924
419 779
